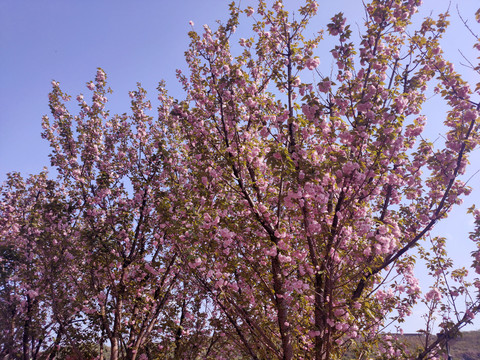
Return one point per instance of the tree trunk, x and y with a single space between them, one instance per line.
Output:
114 350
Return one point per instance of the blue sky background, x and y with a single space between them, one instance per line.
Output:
144 41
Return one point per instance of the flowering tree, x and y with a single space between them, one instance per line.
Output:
316 193
275 212
35 306
92 256
118 170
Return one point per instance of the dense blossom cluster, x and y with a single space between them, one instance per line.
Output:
264 216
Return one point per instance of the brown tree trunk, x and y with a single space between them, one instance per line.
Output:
114 349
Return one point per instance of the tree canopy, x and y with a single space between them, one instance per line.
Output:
275 212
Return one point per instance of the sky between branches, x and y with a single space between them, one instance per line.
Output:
144 41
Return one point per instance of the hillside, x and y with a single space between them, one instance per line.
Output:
465 347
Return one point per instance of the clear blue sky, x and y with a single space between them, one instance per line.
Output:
144 41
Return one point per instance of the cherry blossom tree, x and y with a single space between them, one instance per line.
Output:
38 304
319 189
118 170
273 213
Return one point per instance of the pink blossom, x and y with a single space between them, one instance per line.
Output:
296 81
278 6
469 314
324 86
311 64
433 295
